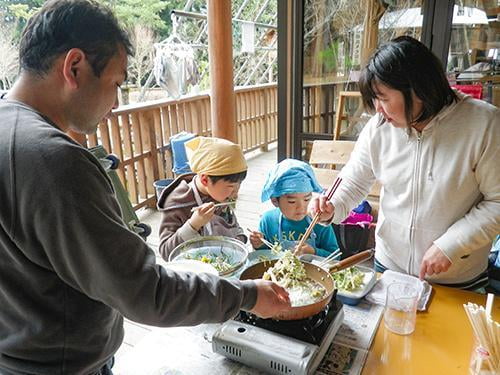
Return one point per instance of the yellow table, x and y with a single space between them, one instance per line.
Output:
441 343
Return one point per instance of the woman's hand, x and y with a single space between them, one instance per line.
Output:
434 262
256 239
202 215
321 204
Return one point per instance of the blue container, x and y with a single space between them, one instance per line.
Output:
177 141
160 185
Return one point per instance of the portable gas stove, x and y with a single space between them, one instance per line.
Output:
294 347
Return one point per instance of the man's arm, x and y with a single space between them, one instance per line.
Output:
83 239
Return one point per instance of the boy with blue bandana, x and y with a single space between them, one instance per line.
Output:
290 185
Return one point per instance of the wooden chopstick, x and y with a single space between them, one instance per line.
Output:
481 322
264 241
215 205
330 257
317 216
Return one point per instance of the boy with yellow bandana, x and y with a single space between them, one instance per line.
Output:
187 204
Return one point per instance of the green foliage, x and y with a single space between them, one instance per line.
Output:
15 13
142 12
329 56
150 13
18 9
21 11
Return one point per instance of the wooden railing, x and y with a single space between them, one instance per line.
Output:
321 104
139 134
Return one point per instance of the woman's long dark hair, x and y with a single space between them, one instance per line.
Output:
406 65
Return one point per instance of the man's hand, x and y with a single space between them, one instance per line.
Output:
434 262
321 204
256 239
271 299
305 249
202 215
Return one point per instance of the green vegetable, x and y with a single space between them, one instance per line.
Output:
263 258
231 205
290 273
288 270
277 248
219 262
350 279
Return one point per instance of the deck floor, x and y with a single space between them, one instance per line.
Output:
248 210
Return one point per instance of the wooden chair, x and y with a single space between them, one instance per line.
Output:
343 95
327 156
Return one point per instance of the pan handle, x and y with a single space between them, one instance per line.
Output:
352 260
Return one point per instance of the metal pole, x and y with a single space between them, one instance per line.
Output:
200 16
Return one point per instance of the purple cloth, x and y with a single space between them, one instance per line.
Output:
358 219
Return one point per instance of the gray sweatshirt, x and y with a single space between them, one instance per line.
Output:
69 267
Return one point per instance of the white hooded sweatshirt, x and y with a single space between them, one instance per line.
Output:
439 186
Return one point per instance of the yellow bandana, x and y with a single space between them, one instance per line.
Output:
215 156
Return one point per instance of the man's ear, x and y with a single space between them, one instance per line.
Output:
73 65
275 201
204 179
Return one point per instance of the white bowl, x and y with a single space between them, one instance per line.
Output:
212 247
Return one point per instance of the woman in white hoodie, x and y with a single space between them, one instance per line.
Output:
436 153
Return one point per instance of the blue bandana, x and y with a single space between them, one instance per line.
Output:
290 176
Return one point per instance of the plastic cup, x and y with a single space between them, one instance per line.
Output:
480 360
401 308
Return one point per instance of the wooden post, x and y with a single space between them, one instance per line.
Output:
220 53
266 118
375 9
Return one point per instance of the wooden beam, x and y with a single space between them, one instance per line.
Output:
375 9
220 52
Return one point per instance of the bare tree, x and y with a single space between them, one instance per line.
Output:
9 65
141 63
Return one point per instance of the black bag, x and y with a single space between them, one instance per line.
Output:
351 238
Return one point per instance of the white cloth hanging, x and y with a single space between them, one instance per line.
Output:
248 37
175 66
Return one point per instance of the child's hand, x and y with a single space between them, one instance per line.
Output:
202 215
256 239
305 249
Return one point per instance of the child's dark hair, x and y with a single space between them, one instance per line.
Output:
407 65
235 177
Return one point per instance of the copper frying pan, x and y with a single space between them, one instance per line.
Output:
317 274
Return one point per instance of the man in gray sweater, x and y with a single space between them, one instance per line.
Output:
69 268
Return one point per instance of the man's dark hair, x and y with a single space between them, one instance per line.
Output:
406 65
235 177
61 25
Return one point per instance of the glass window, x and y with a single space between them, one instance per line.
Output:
339 37
473 55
